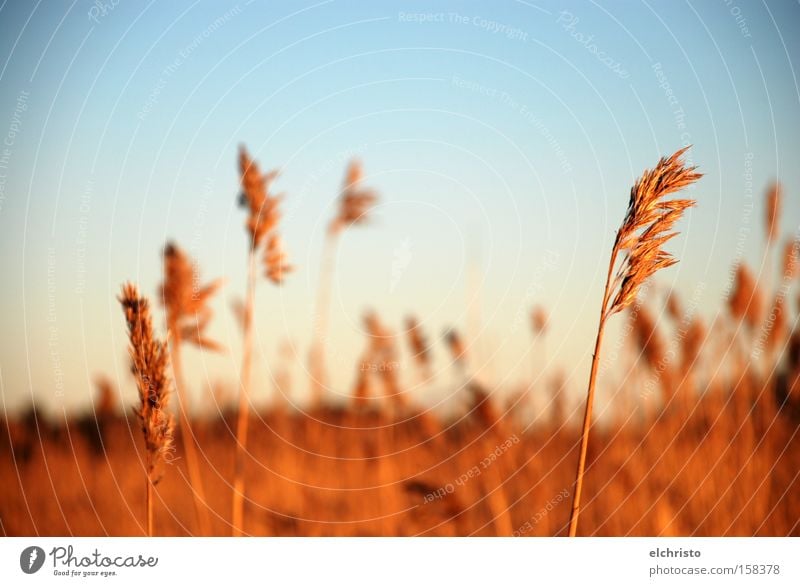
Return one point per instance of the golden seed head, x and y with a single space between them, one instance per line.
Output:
276 259
418 342
185 300
539 320
149 361
648 226
255 196
355 201
746 302
773 211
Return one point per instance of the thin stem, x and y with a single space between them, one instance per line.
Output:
322 317
587 415
149 506
189 439
237 515
496 496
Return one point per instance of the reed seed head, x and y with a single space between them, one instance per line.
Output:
185 301
693 342
539 320
746 302
256 197
149 361
777 325
649 340
791 259
276 259
648 225
458 350
418 342
482 405
773 211
355 201
674 309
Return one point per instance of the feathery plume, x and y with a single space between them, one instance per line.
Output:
693 342
674 309
106 402
275 259
647 226
650 343
263 211
383 356
457 348
419 345
791 259
539 320
262 221
185 302
773 212
188 316
149 361
355 201
482 406
777 326
746 302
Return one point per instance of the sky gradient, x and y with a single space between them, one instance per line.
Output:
503 139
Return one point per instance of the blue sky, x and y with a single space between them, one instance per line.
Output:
500 135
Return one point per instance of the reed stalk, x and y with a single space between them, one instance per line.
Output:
645 229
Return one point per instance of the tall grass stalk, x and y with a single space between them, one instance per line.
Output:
646 228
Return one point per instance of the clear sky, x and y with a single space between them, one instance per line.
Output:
502 136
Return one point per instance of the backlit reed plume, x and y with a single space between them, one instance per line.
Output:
492 431
653 349
362 391
106 403
791 259
539 320
773 212
355 203
261 224
383 357
692 344
647 226
420 349
458 351
149 362
275 260
674 309
746 302
648 339
188 316
776 326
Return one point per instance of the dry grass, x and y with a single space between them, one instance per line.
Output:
261 224
646 228
354 205
712 455
188 316
720 469
149 362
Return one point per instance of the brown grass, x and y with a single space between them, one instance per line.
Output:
646 228
149 361
354 205
262 221
723 460
188 316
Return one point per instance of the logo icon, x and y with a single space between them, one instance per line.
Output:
31 559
